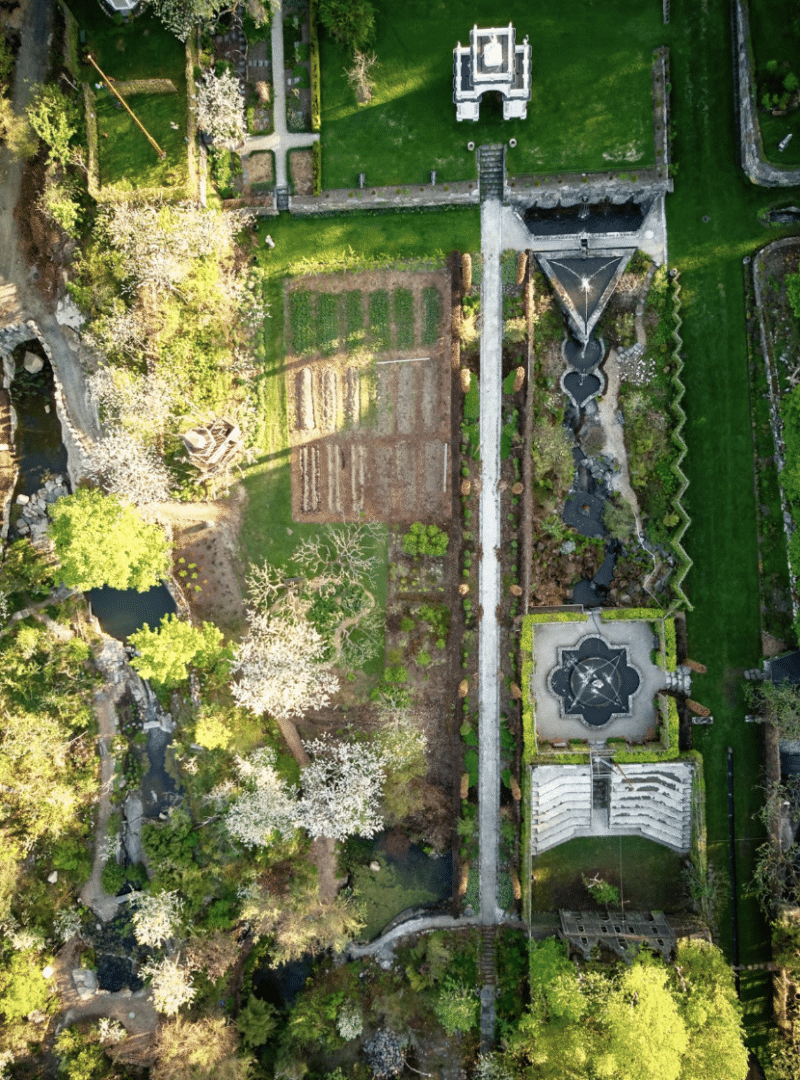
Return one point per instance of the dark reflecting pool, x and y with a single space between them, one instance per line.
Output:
124 611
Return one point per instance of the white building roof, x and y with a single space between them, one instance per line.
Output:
492 61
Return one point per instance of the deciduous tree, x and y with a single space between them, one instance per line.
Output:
156 917
220 108
166 653
341 790
267 804
101 541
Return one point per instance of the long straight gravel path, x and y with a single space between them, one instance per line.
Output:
489 571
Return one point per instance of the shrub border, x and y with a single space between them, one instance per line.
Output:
684 561
313 56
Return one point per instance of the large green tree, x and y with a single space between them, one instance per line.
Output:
647 1021
100 540
352 22
165 654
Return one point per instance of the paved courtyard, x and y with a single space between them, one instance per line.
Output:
638 640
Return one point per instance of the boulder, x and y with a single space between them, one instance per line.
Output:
32 363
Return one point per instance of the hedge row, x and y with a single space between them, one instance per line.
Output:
316 168
529 744
671 644
684 562
555 616
617 614
316 104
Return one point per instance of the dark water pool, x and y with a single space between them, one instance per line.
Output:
39 447
124 611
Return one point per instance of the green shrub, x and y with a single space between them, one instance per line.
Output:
456 1008
425 540
423 658
472 402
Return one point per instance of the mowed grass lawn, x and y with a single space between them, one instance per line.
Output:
140 49
712 221
591 104
775 34
127 159
649 874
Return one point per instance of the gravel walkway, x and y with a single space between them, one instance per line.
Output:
281 140
489 575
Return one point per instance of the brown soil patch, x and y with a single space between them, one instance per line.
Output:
207 534
300 171
370 428
257 168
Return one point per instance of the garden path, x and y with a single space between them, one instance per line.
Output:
489 575
281 141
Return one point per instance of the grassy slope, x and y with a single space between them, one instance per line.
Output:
590 106
724 627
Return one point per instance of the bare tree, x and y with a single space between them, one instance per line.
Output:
360 76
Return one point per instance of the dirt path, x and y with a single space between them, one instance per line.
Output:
19 297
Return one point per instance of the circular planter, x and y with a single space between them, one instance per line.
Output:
470 146
512 143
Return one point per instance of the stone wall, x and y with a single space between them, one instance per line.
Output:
420 196
757 168
74 440
774 393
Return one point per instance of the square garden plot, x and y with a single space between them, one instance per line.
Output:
127 160
368 389
590 109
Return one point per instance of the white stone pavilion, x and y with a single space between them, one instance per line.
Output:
492 61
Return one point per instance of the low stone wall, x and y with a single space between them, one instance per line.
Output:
421 196
774 393
758 170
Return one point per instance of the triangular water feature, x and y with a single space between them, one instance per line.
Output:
584 284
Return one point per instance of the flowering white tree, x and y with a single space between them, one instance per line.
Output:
156 917
124 466
141 404
268 805
220 108
179 16
349 1022
171 984
281 667
341 790
158 242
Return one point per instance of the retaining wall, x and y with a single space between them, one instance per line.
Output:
751 148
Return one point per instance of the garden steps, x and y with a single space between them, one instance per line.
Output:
492 171
487 974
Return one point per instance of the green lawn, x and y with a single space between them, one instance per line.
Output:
591 104
648 873
127 159
723 629
775 35
140 49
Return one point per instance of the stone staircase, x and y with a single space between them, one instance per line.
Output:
492 172
561 804
487 974
282 198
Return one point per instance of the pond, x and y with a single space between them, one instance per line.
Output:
407 878
122 612
39 447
